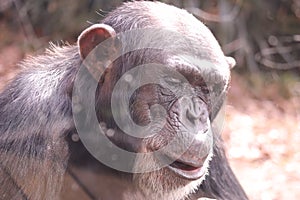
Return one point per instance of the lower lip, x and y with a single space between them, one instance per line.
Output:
192 174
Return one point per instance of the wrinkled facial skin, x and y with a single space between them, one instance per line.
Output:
189 101
188 104
180 107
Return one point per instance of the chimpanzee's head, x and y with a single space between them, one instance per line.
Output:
160 93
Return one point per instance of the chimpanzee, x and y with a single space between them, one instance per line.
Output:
130 112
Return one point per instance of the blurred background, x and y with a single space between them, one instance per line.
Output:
262 131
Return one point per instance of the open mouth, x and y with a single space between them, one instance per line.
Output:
187 170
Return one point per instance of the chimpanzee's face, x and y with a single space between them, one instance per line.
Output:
178 109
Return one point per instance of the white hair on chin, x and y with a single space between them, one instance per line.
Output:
164 184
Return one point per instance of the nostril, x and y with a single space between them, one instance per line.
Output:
192 116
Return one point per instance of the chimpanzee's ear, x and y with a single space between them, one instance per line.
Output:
231 62
93 36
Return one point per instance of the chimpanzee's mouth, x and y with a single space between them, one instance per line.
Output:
188 170
183 166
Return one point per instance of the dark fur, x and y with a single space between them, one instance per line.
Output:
36 123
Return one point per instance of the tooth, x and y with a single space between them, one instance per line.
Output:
103 126
75 137
110 132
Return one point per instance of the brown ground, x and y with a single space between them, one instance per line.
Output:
262 135
262 139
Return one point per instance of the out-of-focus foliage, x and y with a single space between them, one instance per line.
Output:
263 36
54 18
255 32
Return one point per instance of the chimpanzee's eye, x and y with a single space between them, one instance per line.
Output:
205 90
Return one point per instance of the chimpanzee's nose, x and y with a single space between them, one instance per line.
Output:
194 113
196 110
